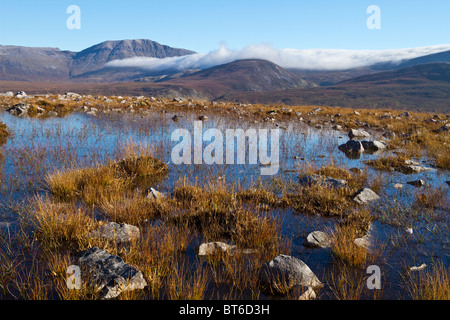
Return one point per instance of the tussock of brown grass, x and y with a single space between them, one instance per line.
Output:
106 182
432 198
343 237
432 284
61 226
387 162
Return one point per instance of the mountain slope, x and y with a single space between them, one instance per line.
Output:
34 64
95 57
416 74
251 75
424 87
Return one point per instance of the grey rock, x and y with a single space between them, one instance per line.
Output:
154 194
358 133
119 233
19 109
367 241
286 272
365 195
318 239
352 146
210 248
374 145
110 274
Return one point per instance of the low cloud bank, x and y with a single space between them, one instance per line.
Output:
311 59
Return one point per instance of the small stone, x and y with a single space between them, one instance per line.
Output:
210 248
419 268
154 194
398 186
318 239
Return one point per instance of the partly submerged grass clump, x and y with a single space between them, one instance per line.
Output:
387 163
431 284
106 182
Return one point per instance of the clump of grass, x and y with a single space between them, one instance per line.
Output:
432 198
321 200
343 237
258 196
431 284
106 182
61 226
135 209
387 163
4 133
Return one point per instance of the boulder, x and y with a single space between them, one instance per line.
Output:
358 133
211 248
19 109
110 274
352 146
328 182
284 273
374 145
318 239
116 232
365 195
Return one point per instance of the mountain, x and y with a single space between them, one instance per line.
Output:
52 64
423 87
95 57
249 75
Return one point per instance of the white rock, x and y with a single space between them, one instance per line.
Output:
419 268
210 248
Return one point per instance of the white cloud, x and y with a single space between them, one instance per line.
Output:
312 59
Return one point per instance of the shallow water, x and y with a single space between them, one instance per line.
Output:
39 146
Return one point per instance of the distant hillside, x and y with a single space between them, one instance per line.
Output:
251 75
424 87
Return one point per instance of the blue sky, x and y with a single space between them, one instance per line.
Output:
202 25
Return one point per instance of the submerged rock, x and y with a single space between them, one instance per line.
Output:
417 183
410 169
110 273
352 146
328 182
